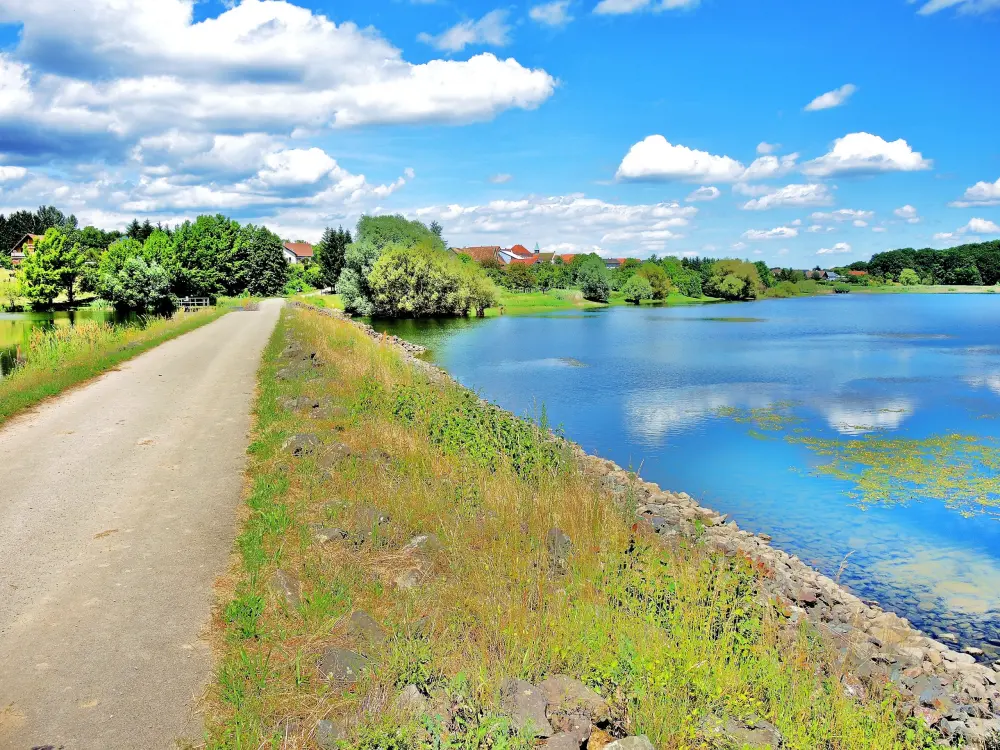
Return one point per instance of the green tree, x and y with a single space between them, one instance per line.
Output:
733 280
52 269
592 276
10 290
636 289
139 285
908 277
658 280
203 250
766 277
424 280
330 254
258 263
519 277
375 234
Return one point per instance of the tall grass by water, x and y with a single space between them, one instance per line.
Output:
669 636
57 358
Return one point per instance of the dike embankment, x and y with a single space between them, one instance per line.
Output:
949 689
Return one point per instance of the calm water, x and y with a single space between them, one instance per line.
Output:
651 388
15 328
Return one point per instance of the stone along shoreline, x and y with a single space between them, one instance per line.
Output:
948 689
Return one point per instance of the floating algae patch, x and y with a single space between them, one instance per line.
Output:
773 418
962 471
572 362
734 320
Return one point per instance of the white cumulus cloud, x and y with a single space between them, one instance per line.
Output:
908 213
980 226
778 233
962 6
838 249
551 14
767 148
832 98
792 195
621 7
9 174
655 158
709 193
980 194
490 30
842 214
866 153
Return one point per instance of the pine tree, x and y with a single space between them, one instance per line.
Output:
330 254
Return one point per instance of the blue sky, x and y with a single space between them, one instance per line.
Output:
797 133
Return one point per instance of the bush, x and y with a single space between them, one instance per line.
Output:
908 277
841 288
139 286
733 280
658 280
783 290
424 280
637 289
592 277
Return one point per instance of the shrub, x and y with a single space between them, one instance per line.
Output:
734 280
658 280
139 286
842 288
908 277
593 280
637 289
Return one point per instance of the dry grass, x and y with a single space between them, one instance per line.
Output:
668 636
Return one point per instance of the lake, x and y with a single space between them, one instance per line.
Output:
857 430
15 328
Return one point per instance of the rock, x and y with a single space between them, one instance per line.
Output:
333 455
525 704
973 651
408 580
328 734
599 739
368 518
806 596
428 543
760 734
341 665
631 743
362 627
286 586
300 444
565 695
559 547
302 402
577 726
323 534
563 741
411 700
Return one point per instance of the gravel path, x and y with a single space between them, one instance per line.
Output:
117 512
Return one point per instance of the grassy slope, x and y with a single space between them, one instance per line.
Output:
52 374
667 635
519 303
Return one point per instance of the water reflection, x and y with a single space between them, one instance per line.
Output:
857 415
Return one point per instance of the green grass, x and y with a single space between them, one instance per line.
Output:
329 301
61 358
522 303
668 635
924 289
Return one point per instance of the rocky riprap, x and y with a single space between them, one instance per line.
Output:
947 688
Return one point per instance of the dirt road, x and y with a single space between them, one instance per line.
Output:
117 512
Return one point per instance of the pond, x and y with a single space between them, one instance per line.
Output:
859 431
15 328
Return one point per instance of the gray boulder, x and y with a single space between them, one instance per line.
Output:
324 534
565 695
631 743
525 704
302 444
411 701
341 665
361 626
328 734
559 547
287 587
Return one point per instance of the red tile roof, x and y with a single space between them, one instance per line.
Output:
486 252
521 250
300 249
857 273
529 261
567 257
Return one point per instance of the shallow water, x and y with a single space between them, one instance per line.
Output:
676 401
15 328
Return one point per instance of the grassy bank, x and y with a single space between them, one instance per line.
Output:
667 636
522 303
59 358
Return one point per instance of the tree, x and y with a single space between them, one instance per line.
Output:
519 277
258 264
658 280
203 250
636 289
908 277
766 277
437 229
733 280
52 269
139 286
592 276
374 235
425 280
10 290
330 254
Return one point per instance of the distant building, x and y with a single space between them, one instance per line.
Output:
480 253
776 271
516 253
857 274
832 276
296 252
613 263
22 247
817 275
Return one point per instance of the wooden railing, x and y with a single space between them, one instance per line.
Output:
192 303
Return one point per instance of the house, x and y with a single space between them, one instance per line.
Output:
529 261
481 253
296 252
832 276
817 275
22 247
518 252
857 274
613 263
776 271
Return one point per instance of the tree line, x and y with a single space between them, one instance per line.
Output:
973 264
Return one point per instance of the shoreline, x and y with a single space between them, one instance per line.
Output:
948 689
